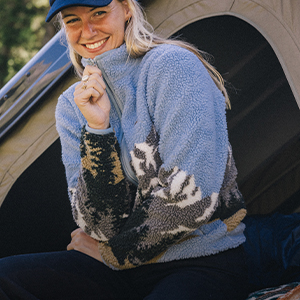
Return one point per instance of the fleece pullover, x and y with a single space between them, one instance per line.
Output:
160 184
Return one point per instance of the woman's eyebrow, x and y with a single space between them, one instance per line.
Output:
104 7
71 15
93 8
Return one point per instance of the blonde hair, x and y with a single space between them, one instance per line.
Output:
140 38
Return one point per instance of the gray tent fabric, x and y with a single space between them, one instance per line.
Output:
28 140
277 20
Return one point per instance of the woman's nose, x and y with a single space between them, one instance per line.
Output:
88 30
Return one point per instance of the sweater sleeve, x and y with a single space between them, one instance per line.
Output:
69 122
96 183
180 166
100 202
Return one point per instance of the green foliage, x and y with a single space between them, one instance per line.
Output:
23 31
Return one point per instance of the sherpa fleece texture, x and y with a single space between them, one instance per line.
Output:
172 117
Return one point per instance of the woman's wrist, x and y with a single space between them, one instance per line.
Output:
99 127
99 131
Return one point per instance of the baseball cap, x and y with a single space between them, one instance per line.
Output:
57 5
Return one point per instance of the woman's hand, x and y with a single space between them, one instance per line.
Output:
92 100
84 243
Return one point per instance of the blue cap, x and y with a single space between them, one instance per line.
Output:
57 5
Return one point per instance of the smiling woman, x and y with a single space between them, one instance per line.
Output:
150 171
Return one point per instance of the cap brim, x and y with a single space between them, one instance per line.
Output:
59 5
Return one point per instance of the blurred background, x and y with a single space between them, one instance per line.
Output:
23 32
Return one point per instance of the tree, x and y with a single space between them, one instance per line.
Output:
23 32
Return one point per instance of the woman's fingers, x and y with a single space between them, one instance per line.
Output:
89 70
74 232
92 78
94 81
77 235
88 92
84 243
93 85
91 98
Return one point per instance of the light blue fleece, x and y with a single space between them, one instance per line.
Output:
171 88
172 116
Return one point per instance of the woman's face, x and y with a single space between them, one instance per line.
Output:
94 30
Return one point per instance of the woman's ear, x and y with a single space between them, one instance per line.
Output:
128 14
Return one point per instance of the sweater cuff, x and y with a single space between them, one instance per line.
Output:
98 131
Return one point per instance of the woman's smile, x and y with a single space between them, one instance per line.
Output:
96 45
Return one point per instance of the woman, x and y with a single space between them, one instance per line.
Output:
149 168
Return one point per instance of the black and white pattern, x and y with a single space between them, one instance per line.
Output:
96 203
167 209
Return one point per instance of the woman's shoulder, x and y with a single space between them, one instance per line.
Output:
170 52
170 57
169 48
171 61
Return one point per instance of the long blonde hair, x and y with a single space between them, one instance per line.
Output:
140 38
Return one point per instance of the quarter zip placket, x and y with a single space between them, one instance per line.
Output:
116 102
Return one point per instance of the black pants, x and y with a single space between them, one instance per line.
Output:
73 275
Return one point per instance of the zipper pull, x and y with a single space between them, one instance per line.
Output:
92 62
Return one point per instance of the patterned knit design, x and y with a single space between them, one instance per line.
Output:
168 205
231 207
96 204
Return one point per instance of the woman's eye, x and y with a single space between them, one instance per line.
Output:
71 21
100 13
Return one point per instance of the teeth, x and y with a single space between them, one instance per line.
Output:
96 45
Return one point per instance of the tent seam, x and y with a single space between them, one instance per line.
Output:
284 24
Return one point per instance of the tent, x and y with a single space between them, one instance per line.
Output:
256 47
